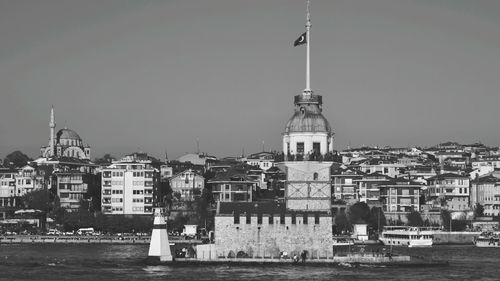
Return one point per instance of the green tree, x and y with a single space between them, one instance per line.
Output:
415 219
16 159
478 210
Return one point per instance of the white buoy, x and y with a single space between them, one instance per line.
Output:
159 245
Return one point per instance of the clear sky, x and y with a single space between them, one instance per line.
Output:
156 75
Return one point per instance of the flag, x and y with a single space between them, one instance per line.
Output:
301 40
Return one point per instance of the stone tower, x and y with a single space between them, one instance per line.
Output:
307 140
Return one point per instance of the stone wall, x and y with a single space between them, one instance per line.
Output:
268 240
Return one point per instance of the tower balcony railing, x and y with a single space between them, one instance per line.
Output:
328 157
308 99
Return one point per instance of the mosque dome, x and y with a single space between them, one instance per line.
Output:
67 134
302 122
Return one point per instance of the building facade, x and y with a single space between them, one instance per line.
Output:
127 188
187 184
451 189
400 197
64 143
486 191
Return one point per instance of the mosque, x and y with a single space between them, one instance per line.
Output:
64 143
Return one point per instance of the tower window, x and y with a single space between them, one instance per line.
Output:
300 148
316 147
315 176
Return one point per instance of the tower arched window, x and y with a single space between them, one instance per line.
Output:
315 176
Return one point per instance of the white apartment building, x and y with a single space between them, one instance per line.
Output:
127 188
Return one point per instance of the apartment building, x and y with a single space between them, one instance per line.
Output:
127 188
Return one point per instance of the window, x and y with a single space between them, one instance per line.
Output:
315 176
300 148
236 218
259 218
271 219
294 218
316 218
249 218
316 147
282 219
305 218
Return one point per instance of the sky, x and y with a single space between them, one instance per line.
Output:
155 76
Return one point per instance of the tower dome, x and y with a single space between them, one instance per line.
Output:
307 122
307 131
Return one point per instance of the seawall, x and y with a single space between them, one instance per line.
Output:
456 237
42 239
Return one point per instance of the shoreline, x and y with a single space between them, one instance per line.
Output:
346 261
47 239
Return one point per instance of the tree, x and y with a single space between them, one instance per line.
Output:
377 219
16 159
39 200
203 204
358 213
341 222
415 219
478 210
107 159
445 219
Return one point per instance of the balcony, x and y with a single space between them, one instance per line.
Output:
298 99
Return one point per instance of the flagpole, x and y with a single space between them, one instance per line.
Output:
308 52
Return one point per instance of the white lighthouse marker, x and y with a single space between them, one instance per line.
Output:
159 246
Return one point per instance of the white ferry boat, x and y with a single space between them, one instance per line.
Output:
488 240
407 236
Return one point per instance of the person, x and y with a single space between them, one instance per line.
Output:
303 256
284 254
295 258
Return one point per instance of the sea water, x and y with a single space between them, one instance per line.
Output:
127 262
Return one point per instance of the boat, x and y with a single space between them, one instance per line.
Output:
407 236
342 241
488 240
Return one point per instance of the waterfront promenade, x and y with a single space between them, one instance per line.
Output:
76 239
73 239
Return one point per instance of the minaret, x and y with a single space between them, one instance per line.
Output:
52 126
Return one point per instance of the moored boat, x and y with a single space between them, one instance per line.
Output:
407 236
342 241
488 240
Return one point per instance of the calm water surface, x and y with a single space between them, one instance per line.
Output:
126 262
